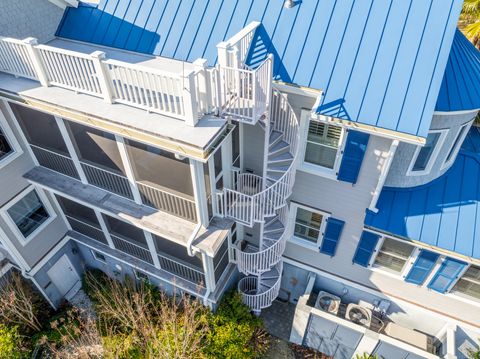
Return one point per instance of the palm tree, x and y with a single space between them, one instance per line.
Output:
469 21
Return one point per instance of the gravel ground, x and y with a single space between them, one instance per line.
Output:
84 304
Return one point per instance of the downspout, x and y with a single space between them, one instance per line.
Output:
190 250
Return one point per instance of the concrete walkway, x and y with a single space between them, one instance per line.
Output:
278 319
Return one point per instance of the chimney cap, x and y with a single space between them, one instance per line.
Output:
289 4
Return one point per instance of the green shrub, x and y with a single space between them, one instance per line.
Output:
234 331
12 345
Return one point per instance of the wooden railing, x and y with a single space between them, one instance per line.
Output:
132 249
168 202
55 161
183 271
107 180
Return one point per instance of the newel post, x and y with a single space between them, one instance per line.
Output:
31 43
190 99
204 86
102 75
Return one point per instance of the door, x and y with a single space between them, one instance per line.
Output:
64 276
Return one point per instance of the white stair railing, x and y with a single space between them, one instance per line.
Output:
262 261
247 208
15 58
244 94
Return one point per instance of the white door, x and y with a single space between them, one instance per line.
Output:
64 276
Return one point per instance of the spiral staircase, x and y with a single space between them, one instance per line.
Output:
263 199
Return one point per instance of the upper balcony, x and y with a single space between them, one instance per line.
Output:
174 94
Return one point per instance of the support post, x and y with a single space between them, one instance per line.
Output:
128 169
102 75
104 228
190 99
209 270
199 192
37 61
152 249
222 49
204 86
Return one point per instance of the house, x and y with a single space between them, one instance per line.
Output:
320 152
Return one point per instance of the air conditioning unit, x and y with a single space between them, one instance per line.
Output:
328 302
359 315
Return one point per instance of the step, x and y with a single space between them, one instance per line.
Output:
275 137
278 148
274 227
273 236
281 157
274 176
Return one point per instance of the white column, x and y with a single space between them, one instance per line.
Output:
383 175
190 99
199 192
71 149
37 61
227 161
209 270
128 169
104 227
222 49
367 344
152 248
204 86
102 75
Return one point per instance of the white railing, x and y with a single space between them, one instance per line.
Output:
107 180
248 209
15 58
183 271
235 49
71 70
55 161
256 297
132 249
168 202
152 89
245 93
262 261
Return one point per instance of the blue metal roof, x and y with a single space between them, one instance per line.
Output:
380 62
445 212
460 88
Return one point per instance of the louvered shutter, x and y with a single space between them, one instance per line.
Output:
366 247
446 275
333 231
355 147
422 267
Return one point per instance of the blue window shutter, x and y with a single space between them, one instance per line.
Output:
422 267
366 246
355 148
446 275
333 231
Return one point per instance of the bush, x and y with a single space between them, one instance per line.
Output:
235 332
12 345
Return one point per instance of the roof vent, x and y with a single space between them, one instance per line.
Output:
288 4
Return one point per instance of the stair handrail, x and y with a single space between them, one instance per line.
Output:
289 126
278 247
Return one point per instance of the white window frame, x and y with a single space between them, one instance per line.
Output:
95 253
12 141
457 145
408 262
11 224
308 167
443 134
301 241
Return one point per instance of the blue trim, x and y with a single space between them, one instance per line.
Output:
355 147
332 236
422 267
366 247
447 274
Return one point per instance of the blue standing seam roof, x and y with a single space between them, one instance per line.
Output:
445 212
460 90
379 62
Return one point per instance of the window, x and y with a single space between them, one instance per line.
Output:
469 283
322 144
99 257
309 224
393 255
456 145
425 156
5 148
28 213
9 147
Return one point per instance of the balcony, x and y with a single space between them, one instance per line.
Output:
181 90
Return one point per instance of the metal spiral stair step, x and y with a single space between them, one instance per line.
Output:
279 148
275 137
282 158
